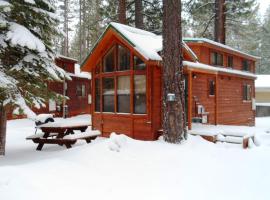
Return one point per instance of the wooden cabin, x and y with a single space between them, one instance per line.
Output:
77 90
126 69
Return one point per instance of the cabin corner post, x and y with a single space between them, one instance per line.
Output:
216 99
189 100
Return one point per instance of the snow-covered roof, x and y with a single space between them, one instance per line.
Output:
67 58
146 43
219 45
262 82
217 69
78 73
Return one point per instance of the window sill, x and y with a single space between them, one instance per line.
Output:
247 101
211 96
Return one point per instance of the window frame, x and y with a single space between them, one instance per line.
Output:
228 57
115 74
248 69
215 63
211 86
247 92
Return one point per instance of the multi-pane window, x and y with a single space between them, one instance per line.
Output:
123 59
211 87
80 90
97 95
124 90
230 61
123 94
247 92
216 59
246 65
139 64
108 94
140 94
109 61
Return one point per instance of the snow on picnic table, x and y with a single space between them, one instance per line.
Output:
141 170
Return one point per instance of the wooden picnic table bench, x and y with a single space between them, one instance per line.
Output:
62 135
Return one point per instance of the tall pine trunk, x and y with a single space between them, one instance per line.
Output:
139 14
174 123
3 123
220 18
122 18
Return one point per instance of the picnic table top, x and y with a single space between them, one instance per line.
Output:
64 124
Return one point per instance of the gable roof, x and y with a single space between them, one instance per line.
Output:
223 46
146 43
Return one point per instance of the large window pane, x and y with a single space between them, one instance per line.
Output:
123 94
140 94
108 94
97 95
139 64
123 59
108 63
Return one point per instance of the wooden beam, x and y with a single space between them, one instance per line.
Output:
216 99
189 100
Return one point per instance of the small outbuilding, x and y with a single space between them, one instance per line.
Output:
126 68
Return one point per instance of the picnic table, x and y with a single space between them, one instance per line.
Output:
62 134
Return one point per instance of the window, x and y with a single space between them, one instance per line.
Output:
139 64
246 65
108 94
230 61
109 61
216 59
140 94
211 87
97 95
80 90
123 91
247 92
123 94
123 59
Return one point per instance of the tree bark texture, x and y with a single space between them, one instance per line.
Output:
122 18
174 123
139 14
220 18
3 122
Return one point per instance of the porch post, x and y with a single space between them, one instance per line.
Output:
216 99
189 100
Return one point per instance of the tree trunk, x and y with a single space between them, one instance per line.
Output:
139 14
122 12
220 18
174 121
3 122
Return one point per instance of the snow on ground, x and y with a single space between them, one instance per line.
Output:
135 170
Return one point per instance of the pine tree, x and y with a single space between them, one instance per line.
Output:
201 15
265 45
88 29
66 15
26 57
139 14
122 18
174 125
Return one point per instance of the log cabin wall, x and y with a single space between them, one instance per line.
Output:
232 109
203 52
201 96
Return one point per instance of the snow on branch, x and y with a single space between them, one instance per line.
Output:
19 35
